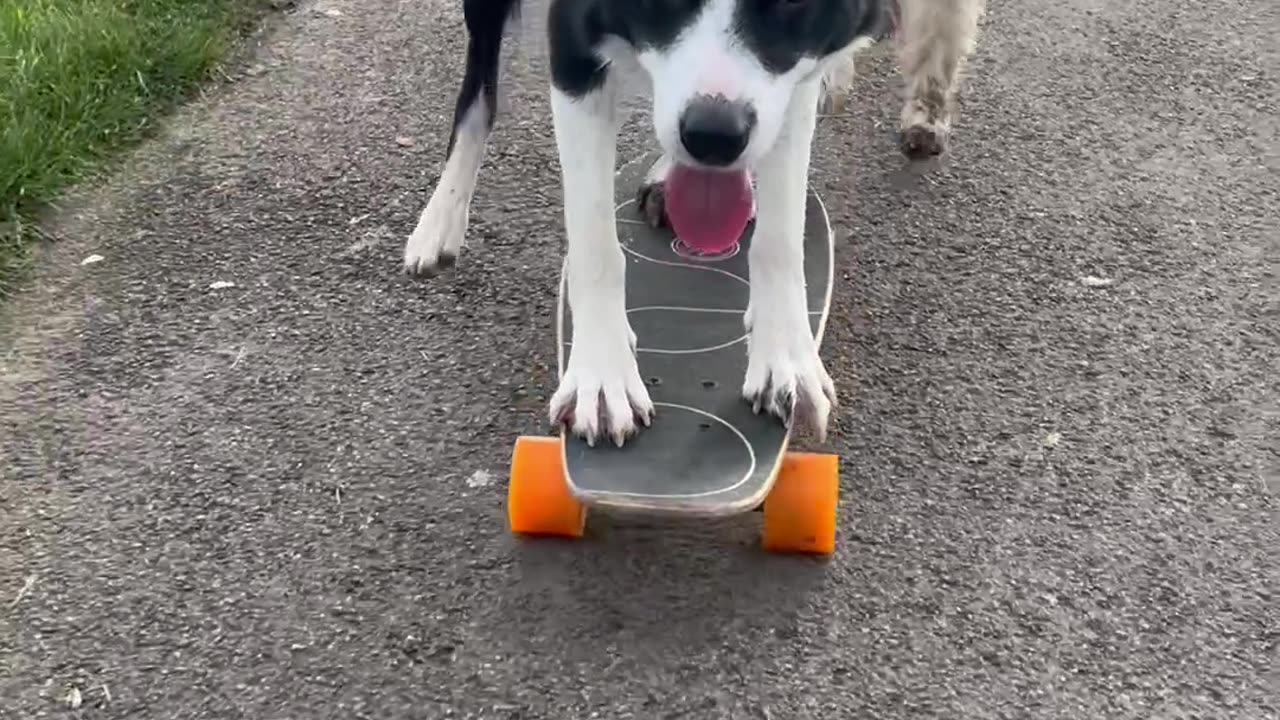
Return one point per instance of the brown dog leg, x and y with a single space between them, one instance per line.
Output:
935 39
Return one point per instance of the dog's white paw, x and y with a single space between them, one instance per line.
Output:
785 373
436 241
602 394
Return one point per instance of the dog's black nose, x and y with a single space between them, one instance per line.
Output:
715 131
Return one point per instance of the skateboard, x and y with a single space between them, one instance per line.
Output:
707 453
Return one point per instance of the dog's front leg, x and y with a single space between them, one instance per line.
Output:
601 393
783 366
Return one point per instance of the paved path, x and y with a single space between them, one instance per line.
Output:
284 499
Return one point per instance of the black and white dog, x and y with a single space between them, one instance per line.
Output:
736 88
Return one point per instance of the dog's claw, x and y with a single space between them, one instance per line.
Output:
791 383
602 405
561 417
423 267
777 401
784 405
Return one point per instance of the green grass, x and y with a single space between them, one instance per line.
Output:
81 80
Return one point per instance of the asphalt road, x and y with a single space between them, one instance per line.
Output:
283 499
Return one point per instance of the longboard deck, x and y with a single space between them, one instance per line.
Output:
706 453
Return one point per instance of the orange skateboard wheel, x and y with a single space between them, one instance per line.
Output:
800 510
538 497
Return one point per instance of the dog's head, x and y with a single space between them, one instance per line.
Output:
724 71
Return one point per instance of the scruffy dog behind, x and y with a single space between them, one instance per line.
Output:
936 39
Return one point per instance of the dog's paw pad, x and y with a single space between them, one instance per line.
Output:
920 142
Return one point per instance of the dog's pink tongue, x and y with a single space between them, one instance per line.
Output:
708 209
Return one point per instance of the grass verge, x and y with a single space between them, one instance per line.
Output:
81 80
